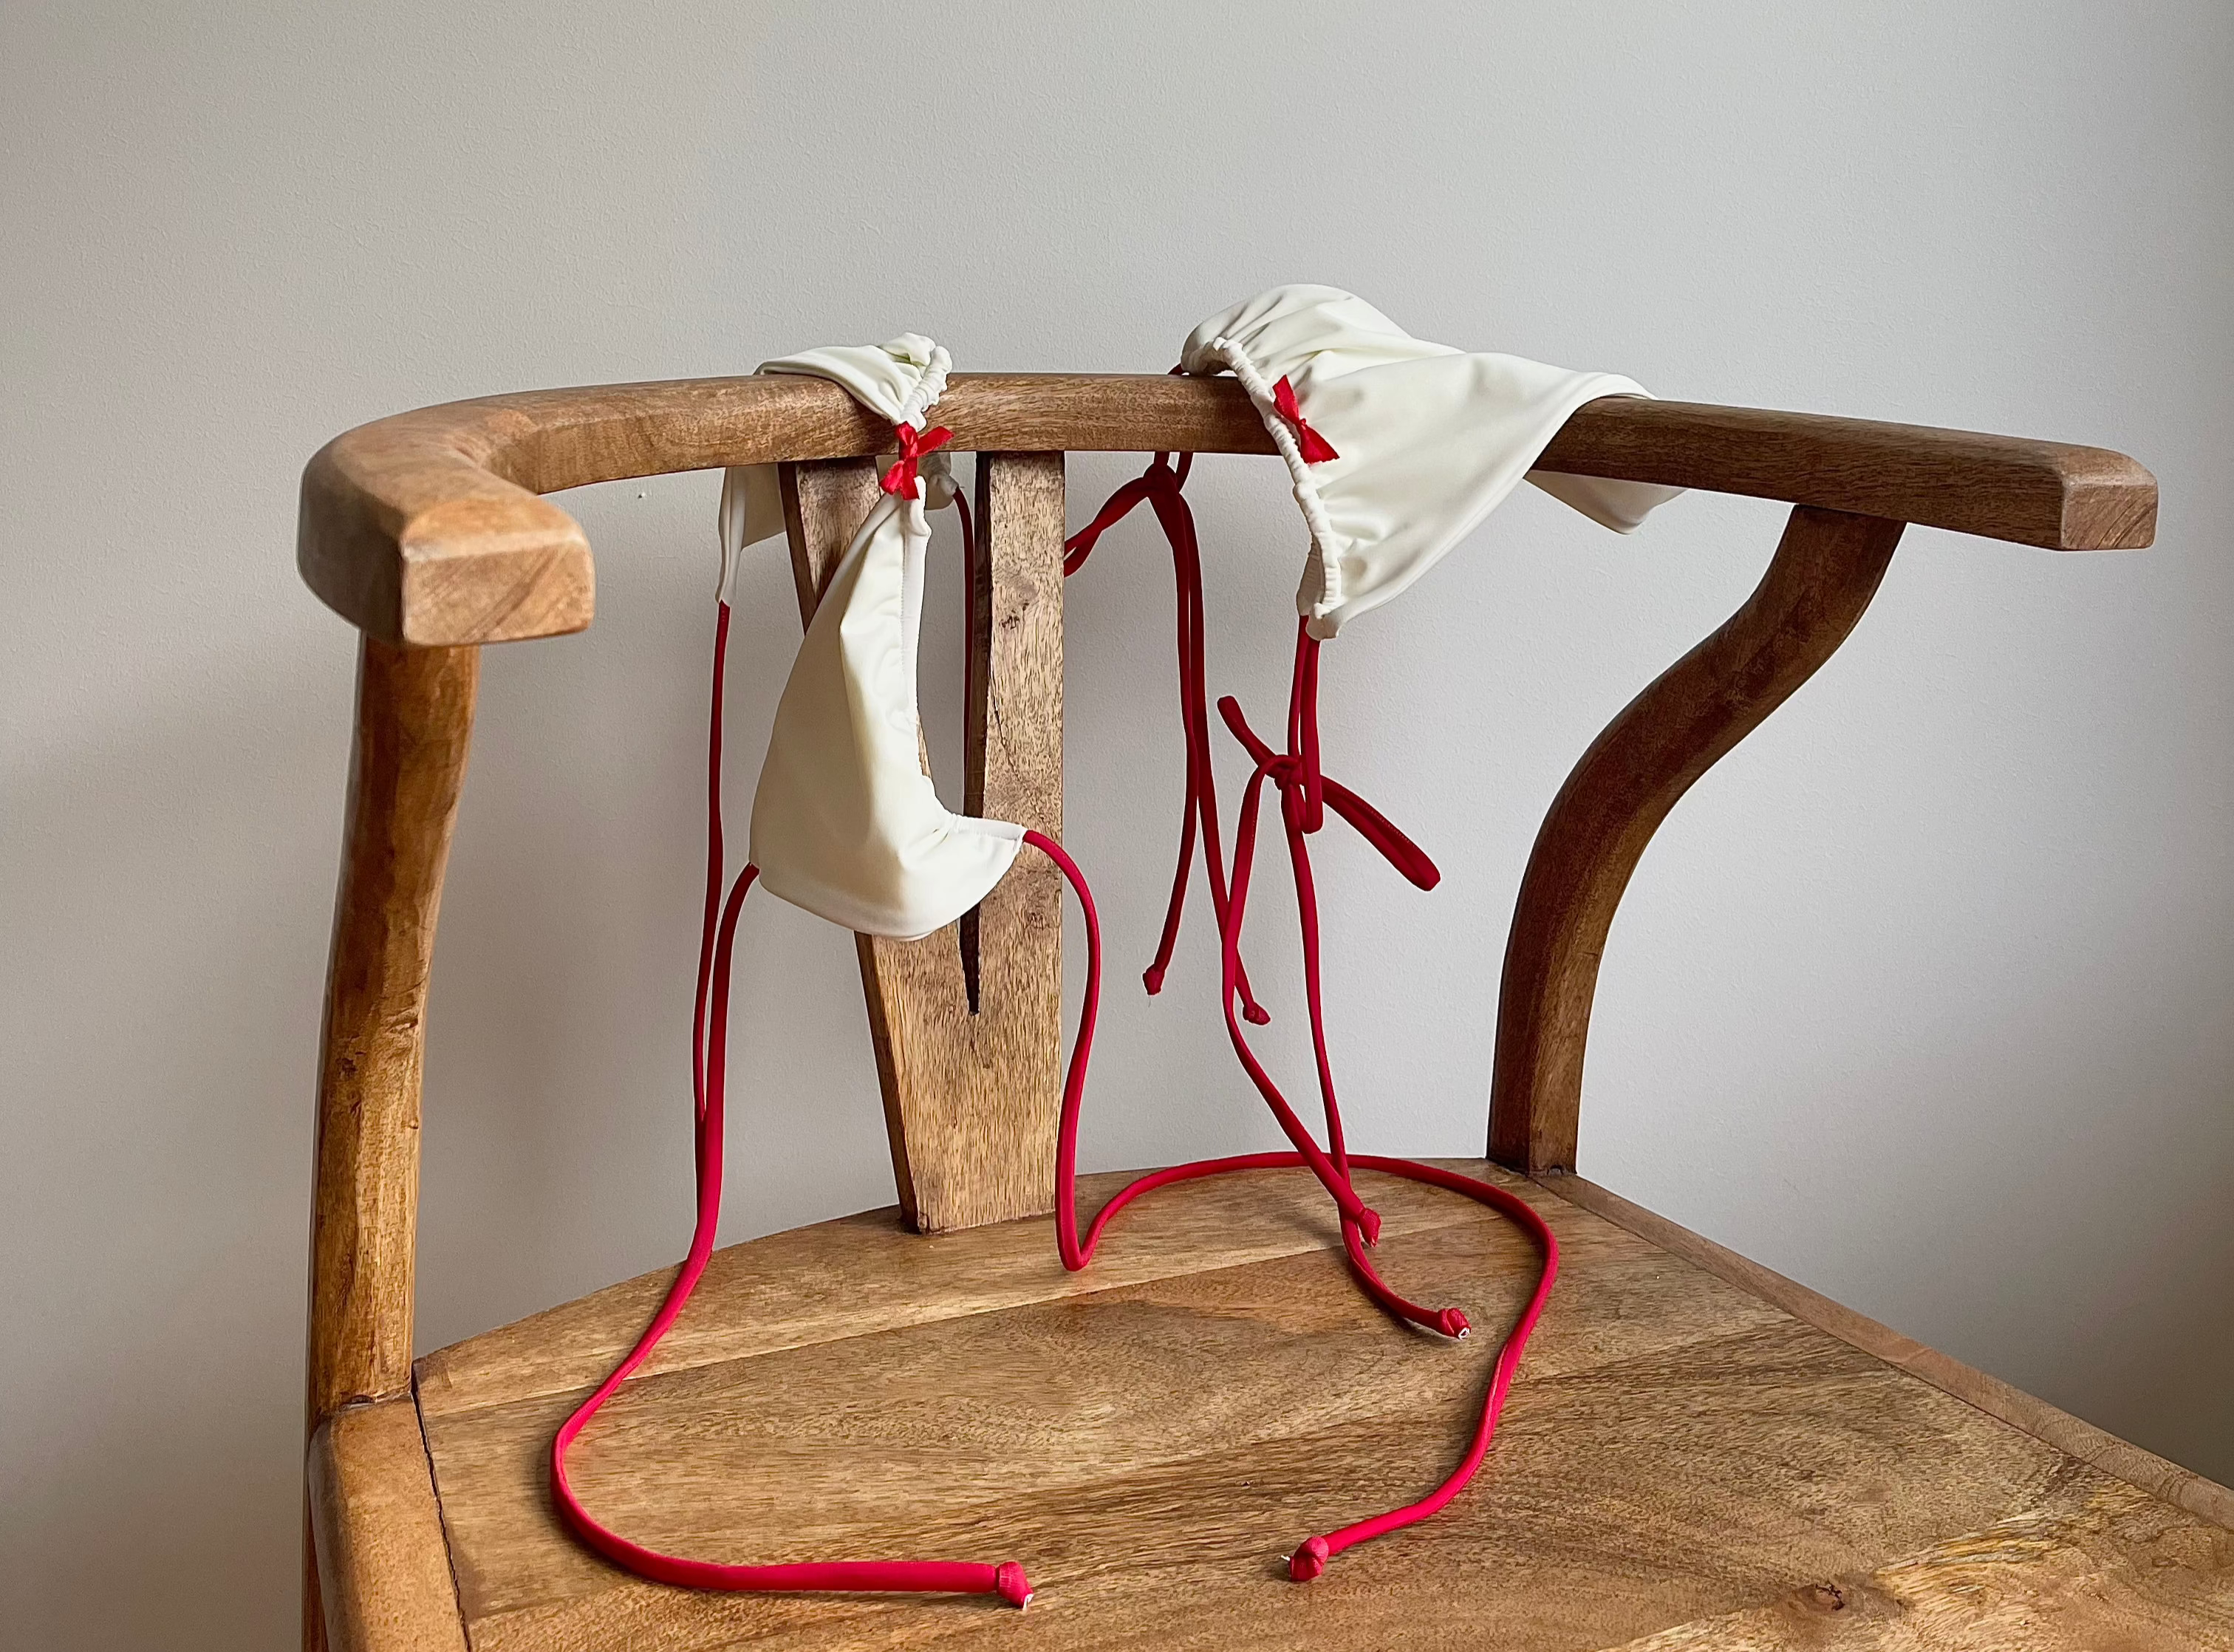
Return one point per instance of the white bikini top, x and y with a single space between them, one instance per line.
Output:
1397 448
844 822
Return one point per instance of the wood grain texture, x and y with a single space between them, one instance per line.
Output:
2073 1578
1012 759
415 714
384 1567
866 1274
2179 1486
414 711
1825 570
968 1047
2041 493
1151 1437
425 527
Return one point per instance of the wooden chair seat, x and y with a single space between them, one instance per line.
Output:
1685 1462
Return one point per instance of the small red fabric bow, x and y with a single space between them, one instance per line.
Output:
1316 449
904 478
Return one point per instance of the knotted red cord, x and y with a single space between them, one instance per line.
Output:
1309 1559
1304 795
1286 774
904 478
1160 487
709 1072
1314 448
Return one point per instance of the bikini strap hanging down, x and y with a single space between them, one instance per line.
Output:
1305 795
710 1081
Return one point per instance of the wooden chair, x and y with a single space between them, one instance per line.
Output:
1699 1453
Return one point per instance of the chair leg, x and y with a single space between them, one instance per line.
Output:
1825 571
414 710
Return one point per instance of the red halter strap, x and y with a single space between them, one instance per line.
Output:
1159 485
1304 795
709 1072
1309 1559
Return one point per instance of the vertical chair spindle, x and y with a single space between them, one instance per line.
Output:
972 1094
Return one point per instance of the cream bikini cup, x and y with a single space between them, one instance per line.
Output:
844 822
1425 440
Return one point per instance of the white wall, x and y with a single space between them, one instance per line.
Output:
1922 996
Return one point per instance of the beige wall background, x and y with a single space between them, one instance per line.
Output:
1923 997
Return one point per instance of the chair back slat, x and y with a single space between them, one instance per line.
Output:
967 1023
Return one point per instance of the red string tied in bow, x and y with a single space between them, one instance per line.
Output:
1316 448
904 477
1286 773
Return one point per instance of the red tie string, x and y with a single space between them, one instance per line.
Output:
904 478
1303 792
1309 1559
1159 485
1373 827
1316 448
709 1071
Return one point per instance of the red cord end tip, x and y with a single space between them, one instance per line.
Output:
1017 1589
1368 1224
1152 979
1256 1015
1308 1561
1452 1323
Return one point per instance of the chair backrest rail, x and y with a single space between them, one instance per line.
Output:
428 527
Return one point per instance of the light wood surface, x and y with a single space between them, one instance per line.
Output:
2182 1487
414 711
967 1023
384 1569
1149 1438
413 724
1825 572
425 527
2083 1577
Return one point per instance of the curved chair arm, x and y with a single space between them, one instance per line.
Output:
426 529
